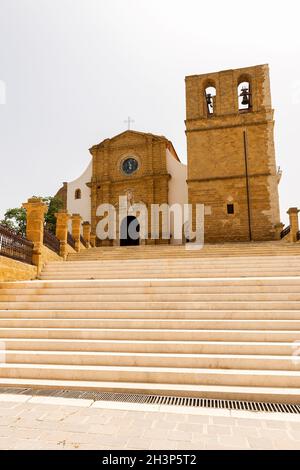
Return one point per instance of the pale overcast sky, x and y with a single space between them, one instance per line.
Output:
75 69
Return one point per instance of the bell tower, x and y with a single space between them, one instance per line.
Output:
231 155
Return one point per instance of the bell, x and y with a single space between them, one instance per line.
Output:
209 99
246 97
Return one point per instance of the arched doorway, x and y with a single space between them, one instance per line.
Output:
130 229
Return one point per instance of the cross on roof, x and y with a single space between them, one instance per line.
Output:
128 122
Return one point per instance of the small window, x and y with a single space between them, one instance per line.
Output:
78 194
230 208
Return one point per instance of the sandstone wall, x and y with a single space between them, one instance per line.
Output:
12 270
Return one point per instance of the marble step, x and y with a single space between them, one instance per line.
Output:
154 297
162 275
154 324
213 283
153 290
160 360
152 305
140 346
259 394
158 375
271 315
135 334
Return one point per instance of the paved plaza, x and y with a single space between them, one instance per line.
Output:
43 422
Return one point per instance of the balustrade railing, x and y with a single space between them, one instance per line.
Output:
285 232
71 240
51 241
15 246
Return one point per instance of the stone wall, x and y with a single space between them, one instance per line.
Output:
49 255
12 270
148 185
231 156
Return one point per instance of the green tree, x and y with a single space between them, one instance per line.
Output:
15 219
54 205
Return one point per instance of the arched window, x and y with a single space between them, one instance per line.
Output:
210 100
244 96
77 193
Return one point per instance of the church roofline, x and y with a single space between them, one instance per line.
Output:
154 136
243 69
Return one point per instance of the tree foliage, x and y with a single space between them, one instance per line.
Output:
15 218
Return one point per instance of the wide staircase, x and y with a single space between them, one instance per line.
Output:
222 322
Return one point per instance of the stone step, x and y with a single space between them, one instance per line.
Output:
139 346
289 281
271 315
152 290
171 265
259 394
183 274
177 324
152 305
159 360
135 334
158 375
125 297
193 262
186 255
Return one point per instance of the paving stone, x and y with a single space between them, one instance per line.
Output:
98 419
26 433
295 435
103 429
293 426
24 444
6 431
224 421
246 432
286 444
245 422
76 419
234 442
161 444
218 430
276 424
198 419
137 443
162 424
54 436
179 436
260 443
154 434
174 417
213 444
130 431
6 443
190 427
197 445
275 434
77 428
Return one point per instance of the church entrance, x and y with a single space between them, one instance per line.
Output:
130 228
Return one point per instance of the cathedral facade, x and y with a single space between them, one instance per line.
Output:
231 167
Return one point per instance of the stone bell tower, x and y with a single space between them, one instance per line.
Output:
231 155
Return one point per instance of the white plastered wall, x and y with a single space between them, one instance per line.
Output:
80 206
178 191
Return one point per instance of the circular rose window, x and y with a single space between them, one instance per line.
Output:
129 165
